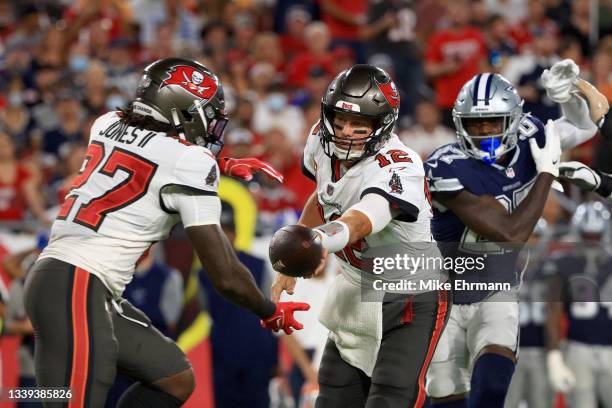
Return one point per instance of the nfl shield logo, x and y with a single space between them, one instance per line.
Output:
330 189
510 172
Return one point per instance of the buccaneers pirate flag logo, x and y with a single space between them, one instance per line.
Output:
192 80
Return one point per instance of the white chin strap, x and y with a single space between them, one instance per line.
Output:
341 153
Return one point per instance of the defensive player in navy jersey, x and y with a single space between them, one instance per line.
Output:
530 381
489 190
583 280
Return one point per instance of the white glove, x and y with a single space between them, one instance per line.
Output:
580 174
561 377
547 158
559 79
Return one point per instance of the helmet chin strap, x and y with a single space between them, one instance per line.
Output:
177 124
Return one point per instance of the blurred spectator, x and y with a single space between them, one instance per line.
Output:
454 55
534 22
511 10
317 40
579 25
121 71
244 32
500 45
16 120
293 40
95 89
314 88
345 19
276 112
19 189
343 58
392 33
157 290
242 364
601 69
525 70
428 133
266 49
28 31
215 41
239 143
72 156
69 126
281 152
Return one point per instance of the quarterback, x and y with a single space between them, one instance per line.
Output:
371 193
146 168
489 190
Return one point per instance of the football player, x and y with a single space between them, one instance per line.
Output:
489 190
371 193
146 168
530 380
582 281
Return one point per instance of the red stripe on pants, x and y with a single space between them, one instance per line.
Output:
442 309
80 338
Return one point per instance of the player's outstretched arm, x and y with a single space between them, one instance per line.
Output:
489 218
227 274
583 106
234 281
587 178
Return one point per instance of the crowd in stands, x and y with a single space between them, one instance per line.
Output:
63 63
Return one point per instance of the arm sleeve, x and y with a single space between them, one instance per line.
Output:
575 126
377 209
194 208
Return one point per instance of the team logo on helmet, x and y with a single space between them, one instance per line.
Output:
390 91
193 81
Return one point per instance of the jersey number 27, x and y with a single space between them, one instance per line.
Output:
140 172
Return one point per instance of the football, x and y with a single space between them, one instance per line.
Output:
295 251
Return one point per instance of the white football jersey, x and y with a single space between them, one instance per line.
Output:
114 211
397 174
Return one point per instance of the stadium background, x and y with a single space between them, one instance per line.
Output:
63 63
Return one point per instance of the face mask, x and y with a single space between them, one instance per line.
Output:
276 101
79 63
115 101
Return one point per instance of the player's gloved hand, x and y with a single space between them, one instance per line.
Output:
559 80
580 174
547 158
244 168
561 377
283 319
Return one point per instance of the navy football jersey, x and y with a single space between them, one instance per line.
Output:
532 307
449 170
587 296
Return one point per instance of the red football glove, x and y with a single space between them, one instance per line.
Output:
283 317
244 168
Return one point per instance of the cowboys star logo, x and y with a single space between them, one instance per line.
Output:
193 81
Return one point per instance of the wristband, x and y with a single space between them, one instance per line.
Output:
334 235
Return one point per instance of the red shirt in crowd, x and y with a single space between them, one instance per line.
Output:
340 29
522 33
12 197
465 46
298 69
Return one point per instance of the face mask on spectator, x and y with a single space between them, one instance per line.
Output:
276 101
115 101
15 99
79 63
